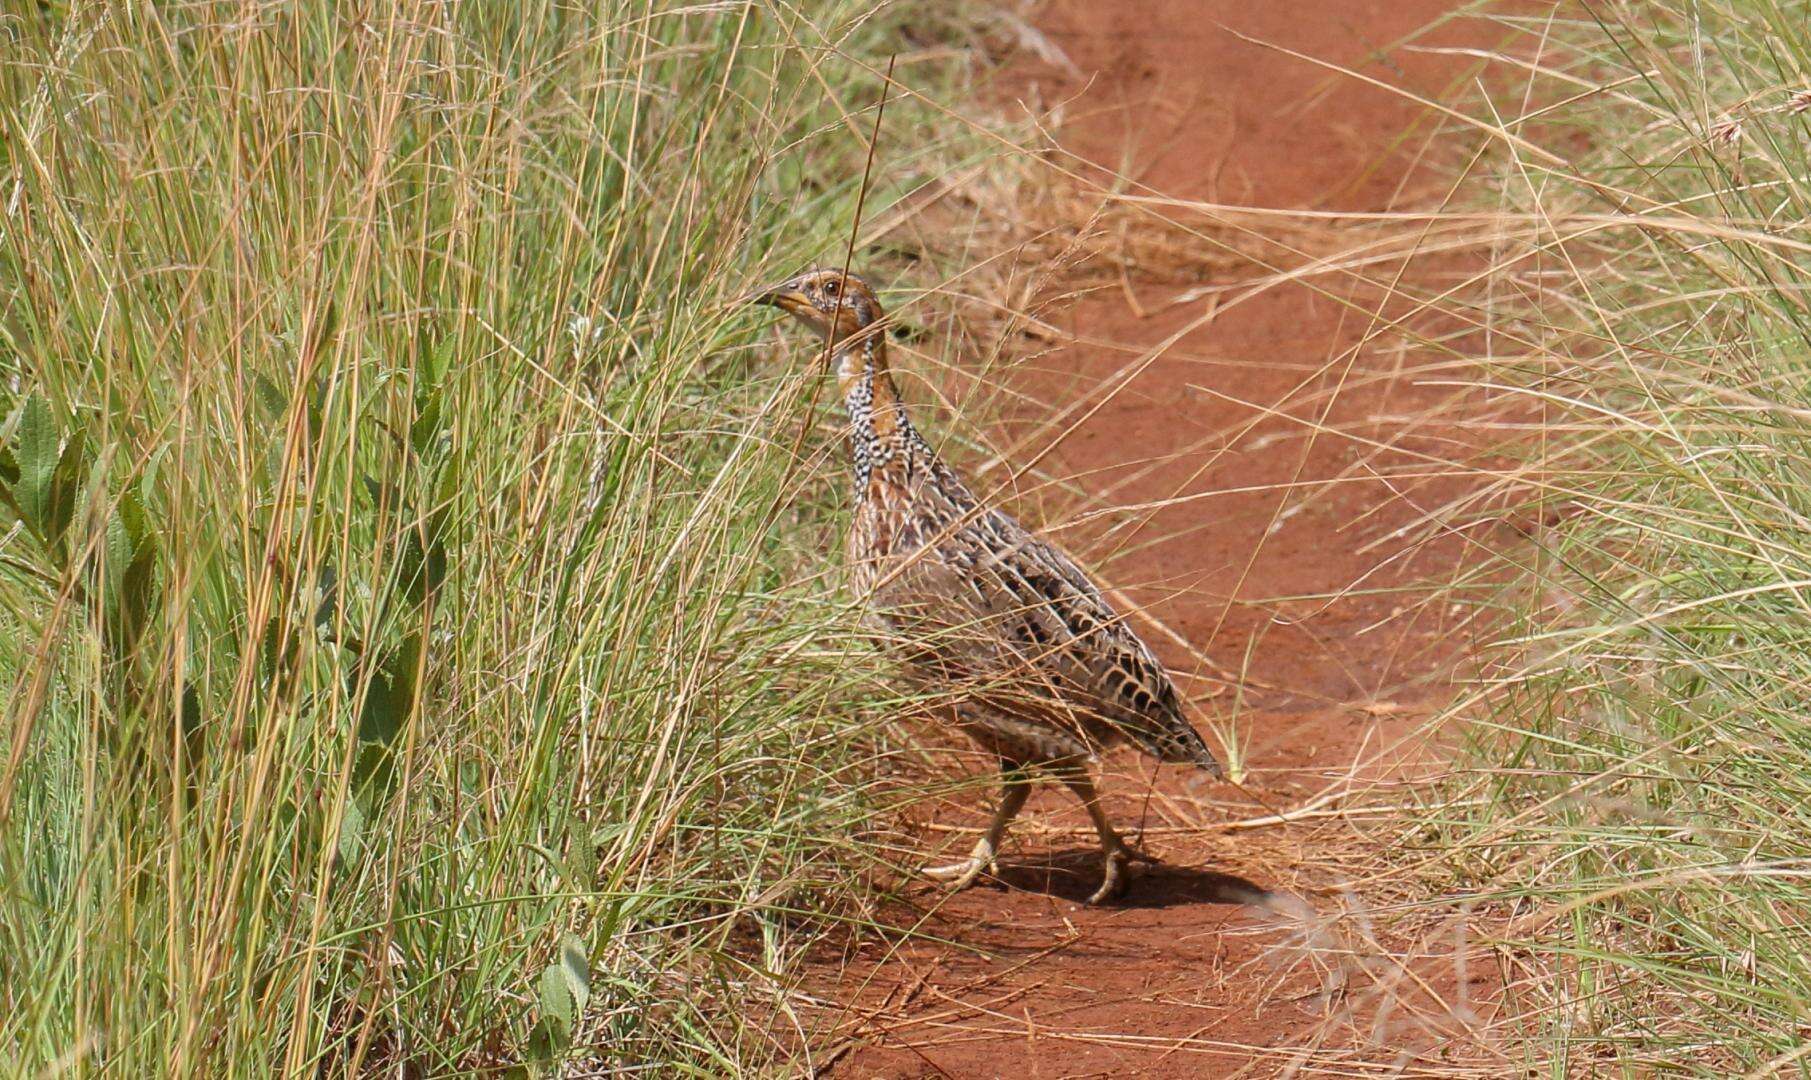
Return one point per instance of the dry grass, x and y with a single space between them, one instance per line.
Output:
430 620
415 657
1640 726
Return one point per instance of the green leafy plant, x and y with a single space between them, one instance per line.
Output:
565 991
1643 729
398 569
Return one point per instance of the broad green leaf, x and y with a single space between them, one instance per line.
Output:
65 484
118 552
137 591
424 432
147 480
36 451
273 397
352 831
384 714
132 515
420 573
565 991
577 970
391 695
558 1009
581 862
325 323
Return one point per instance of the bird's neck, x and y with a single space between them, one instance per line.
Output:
881 437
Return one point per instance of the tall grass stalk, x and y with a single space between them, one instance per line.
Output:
412 658
1649 732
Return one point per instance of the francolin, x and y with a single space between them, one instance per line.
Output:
1020 648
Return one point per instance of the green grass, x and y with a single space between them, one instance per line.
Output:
418 645
1648 740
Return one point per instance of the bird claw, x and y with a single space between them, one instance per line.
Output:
1119 867
961 875
1140 857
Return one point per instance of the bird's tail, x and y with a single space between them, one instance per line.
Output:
1178 742
1200 756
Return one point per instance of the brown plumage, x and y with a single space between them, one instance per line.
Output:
1036 665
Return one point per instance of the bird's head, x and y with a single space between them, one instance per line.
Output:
836 305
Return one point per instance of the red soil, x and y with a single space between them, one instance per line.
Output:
1308 445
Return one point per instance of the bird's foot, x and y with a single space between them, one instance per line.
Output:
1120 864
962 874
1138 855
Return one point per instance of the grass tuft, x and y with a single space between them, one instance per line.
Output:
418 656
1646 734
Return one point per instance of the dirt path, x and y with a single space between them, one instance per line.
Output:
1307 456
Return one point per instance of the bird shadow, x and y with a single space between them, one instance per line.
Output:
1074 874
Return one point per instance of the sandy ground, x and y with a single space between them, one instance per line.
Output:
1258 487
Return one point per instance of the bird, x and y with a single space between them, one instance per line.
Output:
1017 645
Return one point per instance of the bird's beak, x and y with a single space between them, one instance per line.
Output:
785 296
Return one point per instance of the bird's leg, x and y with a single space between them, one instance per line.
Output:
1116 855
1012 799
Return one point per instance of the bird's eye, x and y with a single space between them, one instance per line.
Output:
830 288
